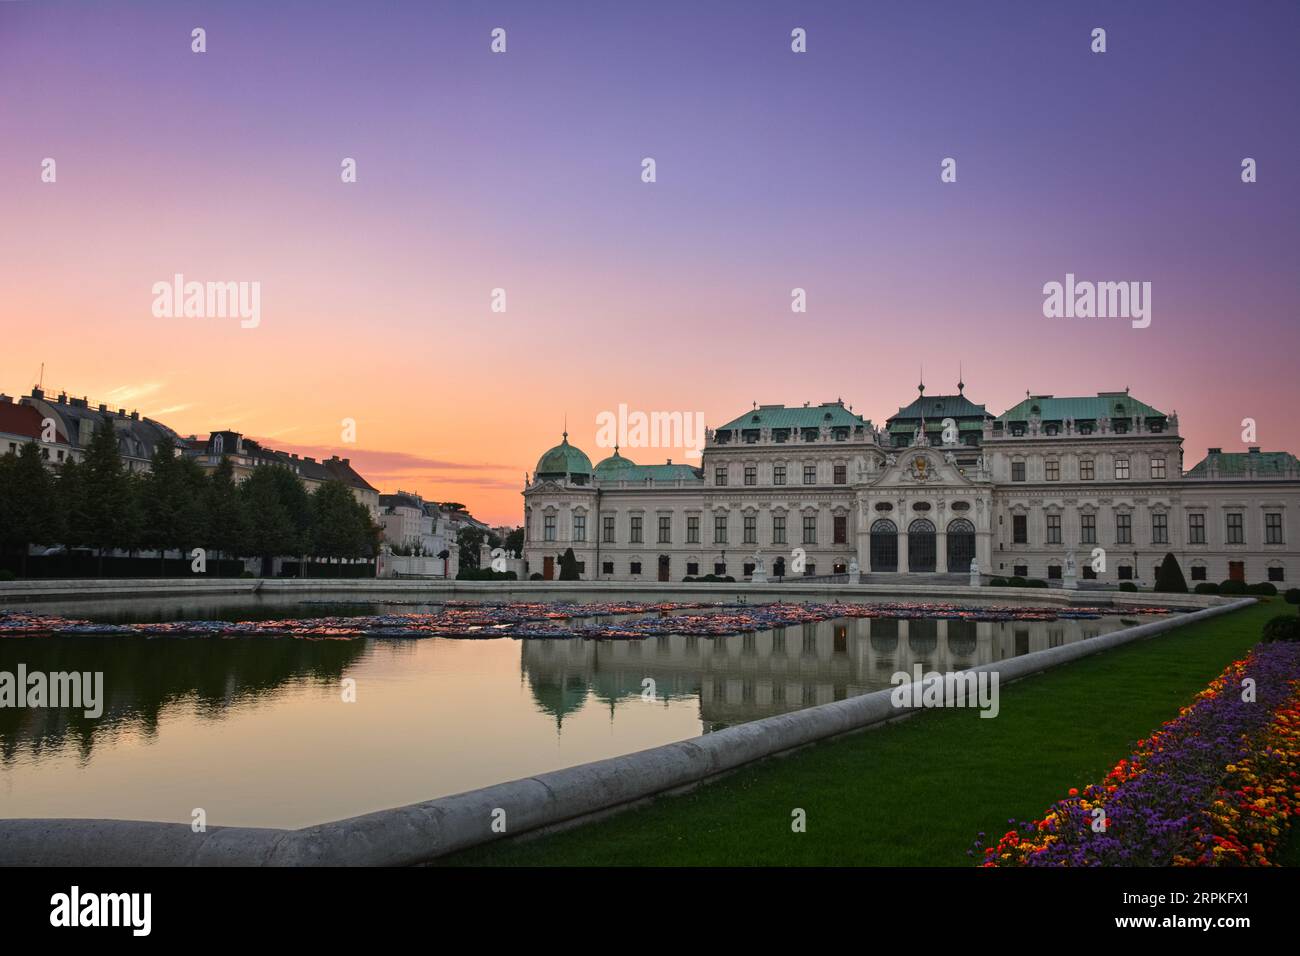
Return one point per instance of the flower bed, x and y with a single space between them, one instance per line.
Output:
1216 786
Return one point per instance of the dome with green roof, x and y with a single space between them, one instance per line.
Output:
612 466
563 460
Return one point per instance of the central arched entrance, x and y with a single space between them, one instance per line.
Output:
961 545
921 551
884 545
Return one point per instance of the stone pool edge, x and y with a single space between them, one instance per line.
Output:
422 832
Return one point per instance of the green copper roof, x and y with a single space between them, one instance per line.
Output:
1232 463
618 468
940 407
833 414
564 459
1083 408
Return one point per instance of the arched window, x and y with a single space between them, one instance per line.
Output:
921 545
884 545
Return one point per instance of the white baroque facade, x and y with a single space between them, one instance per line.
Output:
1096 481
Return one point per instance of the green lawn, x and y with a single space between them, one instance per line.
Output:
917 792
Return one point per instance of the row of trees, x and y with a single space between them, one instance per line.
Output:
97 504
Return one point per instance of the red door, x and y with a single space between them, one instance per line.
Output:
1236 570
548 568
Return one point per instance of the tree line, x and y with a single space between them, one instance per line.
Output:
97 503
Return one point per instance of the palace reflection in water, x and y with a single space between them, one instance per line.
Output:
748 676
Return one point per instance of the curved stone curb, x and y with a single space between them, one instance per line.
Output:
424 831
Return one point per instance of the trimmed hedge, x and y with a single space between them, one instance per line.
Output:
711 579
1127 586
1232 587
1284 627
1267 588
1206 587
1293 595
487 574
997 582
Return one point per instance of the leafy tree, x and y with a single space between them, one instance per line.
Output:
1169 576
227 523
515 541
272 525
111 516
70 493
569 566
338 530
29 512
469 540
173 503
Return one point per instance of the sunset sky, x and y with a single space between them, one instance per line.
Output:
523 171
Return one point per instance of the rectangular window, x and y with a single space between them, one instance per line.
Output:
809 570
1053 470
608 524
692 568
693 529
1198 572
635 567
751 475
719 529
841 474
1196 529
1125 573
810 474
1020 570
1088 528
1053 529
548 528
579 527
720 476
810 529
719 568
635 536
778 529
751 529
665 529
1123 529
1276 574
607 567
1017 471
1157 468
1121 469
841 529
1054 572
1088 573
1273 528
1236 529
1019 529
1087 469
1160 528
778 474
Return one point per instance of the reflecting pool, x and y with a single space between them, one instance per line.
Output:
256 730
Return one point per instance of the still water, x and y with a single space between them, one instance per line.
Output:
255 731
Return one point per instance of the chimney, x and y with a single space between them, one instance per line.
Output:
63 398
121 413
1254 449
38 393
1216 451
135 416
103 407
5 399
347 461
670 461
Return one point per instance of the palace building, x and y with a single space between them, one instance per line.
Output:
1048 482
